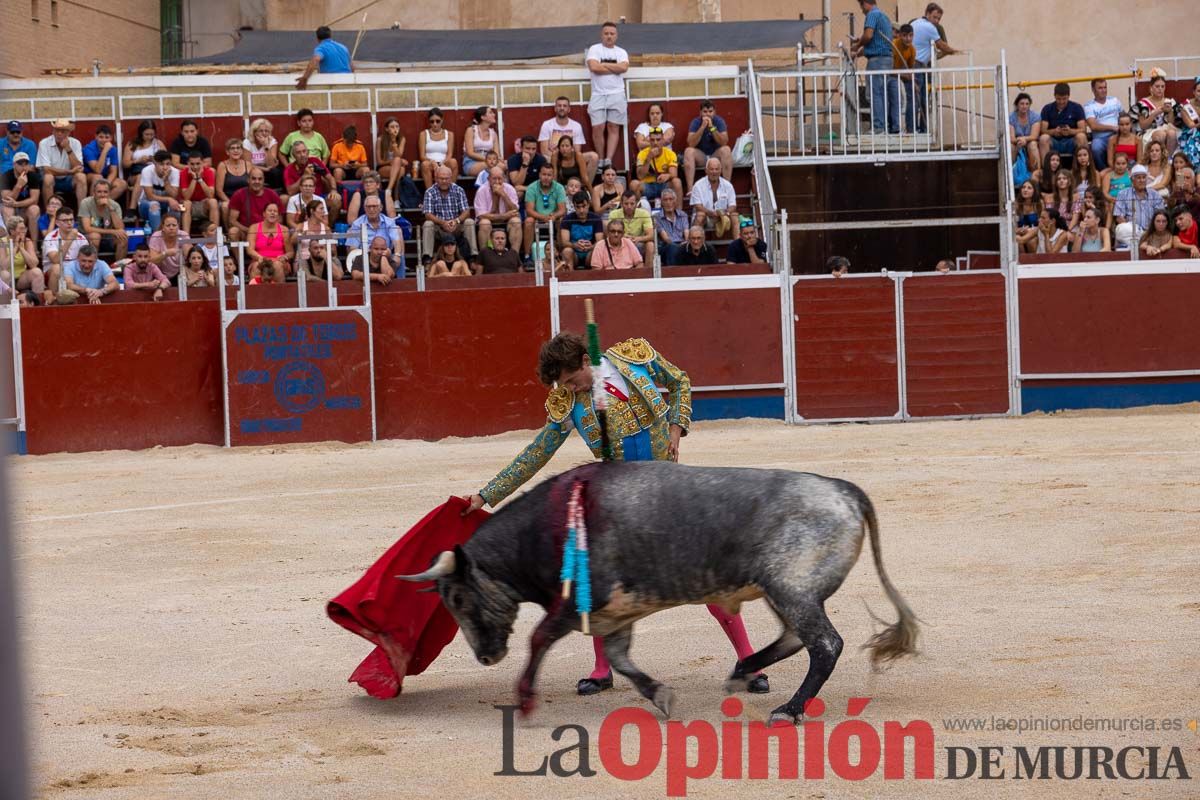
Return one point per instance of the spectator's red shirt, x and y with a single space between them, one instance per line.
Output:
250 207
292 173
194 191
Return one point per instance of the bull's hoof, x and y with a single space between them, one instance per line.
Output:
664 700
733 684
759 685
781 716
587 686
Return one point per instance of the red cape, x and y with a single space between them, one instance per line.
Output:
408 628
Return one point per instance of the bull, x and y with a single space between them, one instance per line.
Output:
663 535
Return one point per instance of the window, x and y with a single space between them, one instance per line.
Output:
33 11
54 13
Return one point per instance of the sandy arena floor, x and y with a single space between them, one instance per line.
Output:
175 634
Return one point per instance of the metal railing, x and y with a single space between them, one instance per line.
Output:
764 189
830 115
1171 64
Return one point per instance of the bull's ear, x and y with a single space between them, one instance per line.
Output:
428 590
461 563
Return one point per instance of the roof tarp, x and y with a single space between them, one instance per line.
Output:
516 44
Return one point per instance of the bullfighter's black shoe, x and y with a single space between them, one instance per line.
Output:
588 686
758 685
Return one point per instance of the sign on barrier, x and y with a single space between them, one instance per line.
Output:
299 376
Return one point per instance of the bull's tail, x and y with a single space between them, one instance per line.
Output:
899 638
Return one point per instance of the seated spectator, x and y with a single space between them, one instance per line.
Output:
19 251
499 258
60 160
707 139
657 168
579 232
267 242
20 191
1118 178
545 202
496 204
1026 210
190 141
261 147
696 252
167 248
230 271
101 161
1023 130
1156 113
713 199
372 184
389 154
1189 136
838 266
616 250
247 205
1094 199
1185 192
314 143
1083 172
102 222
671 227
1185 232
523 167
299 201
1091 237
566 161
654 119
446 209
90 277
560 127
574 186
1063 123
198 189
945 265
490 162
348 156
158 191
1158 169
1158 239
61 246
313 221
232 174
747 248
1052 232
480 139
1136 206
214 254
377 225
1125 140
1044 177
636 225
378 264
1102 116
434 146
197 272
305 164
143 275
320 262
1063 197
139 151
45 222
15 142
606 196
447 261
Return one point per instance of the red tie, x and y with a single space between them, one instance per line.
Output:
615 392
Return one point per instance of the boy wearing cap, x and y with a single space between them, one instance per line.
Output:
20 191
747 248
15 142
60 159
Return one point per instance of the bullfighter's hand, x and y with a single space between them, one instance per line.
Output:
474 503
673 447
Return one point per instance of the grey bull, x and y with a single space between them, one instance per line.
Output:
663 535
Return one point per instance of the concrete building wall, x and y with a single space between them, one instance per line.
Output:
43 34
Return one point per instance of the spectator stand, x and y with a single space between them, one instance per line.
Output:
301 374
219 115
1181 76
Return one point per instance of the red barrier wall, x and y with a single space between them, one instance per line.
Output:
119 376
956 345
459 363
1118 323
846 348
721 338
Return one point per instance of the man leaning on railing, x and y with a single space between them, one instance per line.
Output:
927 39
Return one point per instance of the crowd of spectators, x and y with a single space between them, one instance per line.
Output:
471 205
1099 177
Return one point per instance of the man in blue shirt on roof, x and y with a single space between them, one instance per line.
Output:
876 45
328 57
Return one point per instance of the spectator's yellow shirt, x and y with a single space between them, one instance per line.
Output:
903 57
640 225
663 163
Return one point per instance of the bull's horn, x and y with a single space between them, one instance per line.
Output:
441 568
